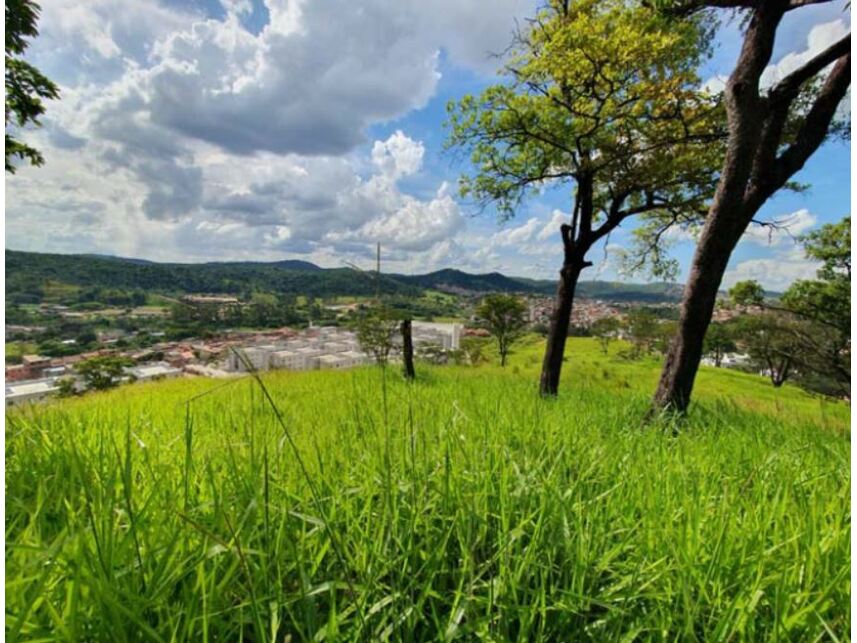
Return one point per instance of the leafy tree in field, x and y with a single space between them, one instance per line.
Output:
602 95
826 302
26 86
65 387
376 331
505 317
772 340
471 351
719 341
773 131
747 293
814 313
641 326
605 330
101 373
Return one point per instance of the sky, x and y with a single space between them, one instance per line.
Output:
215 130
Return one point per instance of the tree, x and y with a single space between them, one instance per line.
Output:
472 351
65 387
604 95
718 342
772 133
605 330
641 325
826 301
376 330
773 342
26 86
747 293
100 373
504 316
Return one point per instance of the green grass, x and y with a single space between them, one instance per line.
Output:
16 350
460 507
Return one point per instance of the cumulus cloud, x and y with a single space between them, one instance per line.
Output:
774 273
820 38
780 230
186 135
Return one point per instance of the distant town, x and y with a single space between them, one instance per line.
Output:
231 352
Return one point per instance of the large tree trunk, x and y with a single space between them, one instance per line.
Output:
716 243
753 170
408 350
558 332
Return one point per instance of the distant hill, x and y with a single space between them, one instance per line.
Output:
28 272
452 280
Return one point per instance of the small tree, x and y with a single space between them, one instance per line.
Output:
26 86
641 325
376 332
65 387
605 330
826 301
747 293
100 373
773 342
472 351
718 342
505 317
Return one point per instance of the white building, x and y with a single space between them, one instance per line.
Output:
448 336
30 390
153 371
288 359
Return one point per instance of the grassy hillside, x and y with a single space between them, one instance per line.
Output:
461 507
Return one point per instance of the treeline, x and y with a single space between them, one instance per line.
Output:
28 273
114 281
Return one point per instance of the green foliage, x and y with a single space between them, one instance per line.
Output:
376 330
461 504
646 332
26 86
747 293
719 340
100 373
605 330
26 274
772 340
825 303
505 317
604 95
472 351
66 387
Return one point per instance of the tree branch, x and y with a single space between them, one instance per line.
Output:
789 86
817 122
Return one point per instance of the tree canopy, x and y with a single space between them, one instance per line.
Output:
26 86
600 91
504 316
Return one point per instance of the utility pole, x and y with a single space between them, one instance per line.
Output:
378 275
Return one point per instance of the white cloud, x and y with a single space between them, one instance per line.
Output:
551 228
398 156
820 38
774 273
518 235
217 141
782 230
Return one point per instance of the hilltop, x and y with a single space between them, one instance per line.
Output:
27 272
462 504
